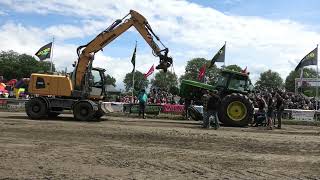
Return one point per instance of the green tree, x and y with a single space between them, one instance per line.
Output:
164 80
290 79
269 79
234 67
110 80
193 68
15 66
139 81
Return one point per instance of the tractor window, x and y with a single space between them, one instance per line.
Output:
97 81
40 83
238 84
221 81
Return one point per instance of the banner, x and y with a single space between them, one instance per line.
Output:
306 115
172 108
307 82
150 108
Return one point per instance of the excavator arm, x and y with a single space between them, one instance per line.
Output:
86 52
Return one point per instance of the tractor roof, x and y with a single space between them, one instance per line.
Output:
234 72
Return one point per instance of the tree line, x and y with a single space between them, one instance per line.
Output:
15 66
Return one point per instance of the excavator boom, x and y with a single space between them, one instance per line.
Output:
86 52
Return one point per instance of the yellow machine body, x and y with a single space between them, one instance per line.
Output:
45 84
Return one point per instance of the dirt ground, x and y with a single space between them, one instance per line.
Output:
131 148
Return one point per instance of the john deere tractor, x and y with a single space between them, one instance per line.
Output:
233 87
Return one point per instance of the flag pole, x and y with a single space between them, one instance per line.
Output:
51 55
301 76
317 81
224 62
132 99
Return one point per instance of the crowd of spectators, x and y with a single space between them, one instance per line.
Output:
14 88
290 100
159 96
155 96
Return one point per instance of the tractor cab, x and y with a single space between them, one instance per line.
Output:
233 82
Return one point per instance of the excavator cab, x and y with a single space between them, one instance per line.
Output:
97 83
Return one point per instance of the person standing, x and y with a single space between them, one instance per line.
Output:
187 103
270 109
211 103
260 115
143 98
279 108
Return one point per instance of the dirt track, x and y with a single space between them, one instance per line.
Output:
123 148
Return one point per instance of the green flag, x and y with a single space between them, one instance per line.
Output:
133 59
219 56
309 59
44 52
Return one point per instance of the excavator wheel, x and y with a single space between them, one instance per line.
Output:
236 110
83 111
36 108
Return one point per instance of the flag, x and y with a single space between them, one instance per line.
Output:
244 71
44 52
133 59
219 56
309 59
151 70
202 72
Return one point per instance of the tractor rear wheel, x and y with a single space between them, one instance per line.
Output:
236 110
36 108
83 111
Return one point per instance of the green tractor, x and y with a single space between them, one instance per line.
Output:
236 108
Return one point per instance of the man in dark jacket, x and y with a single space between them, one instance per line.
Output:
260 115
211 103
279 108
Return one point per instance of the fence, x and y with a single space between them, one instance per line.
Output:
11 104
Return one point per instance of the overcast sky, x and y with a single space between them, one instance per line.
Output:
262 35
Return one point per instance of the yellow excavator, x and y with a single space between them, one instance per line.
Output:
83 91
